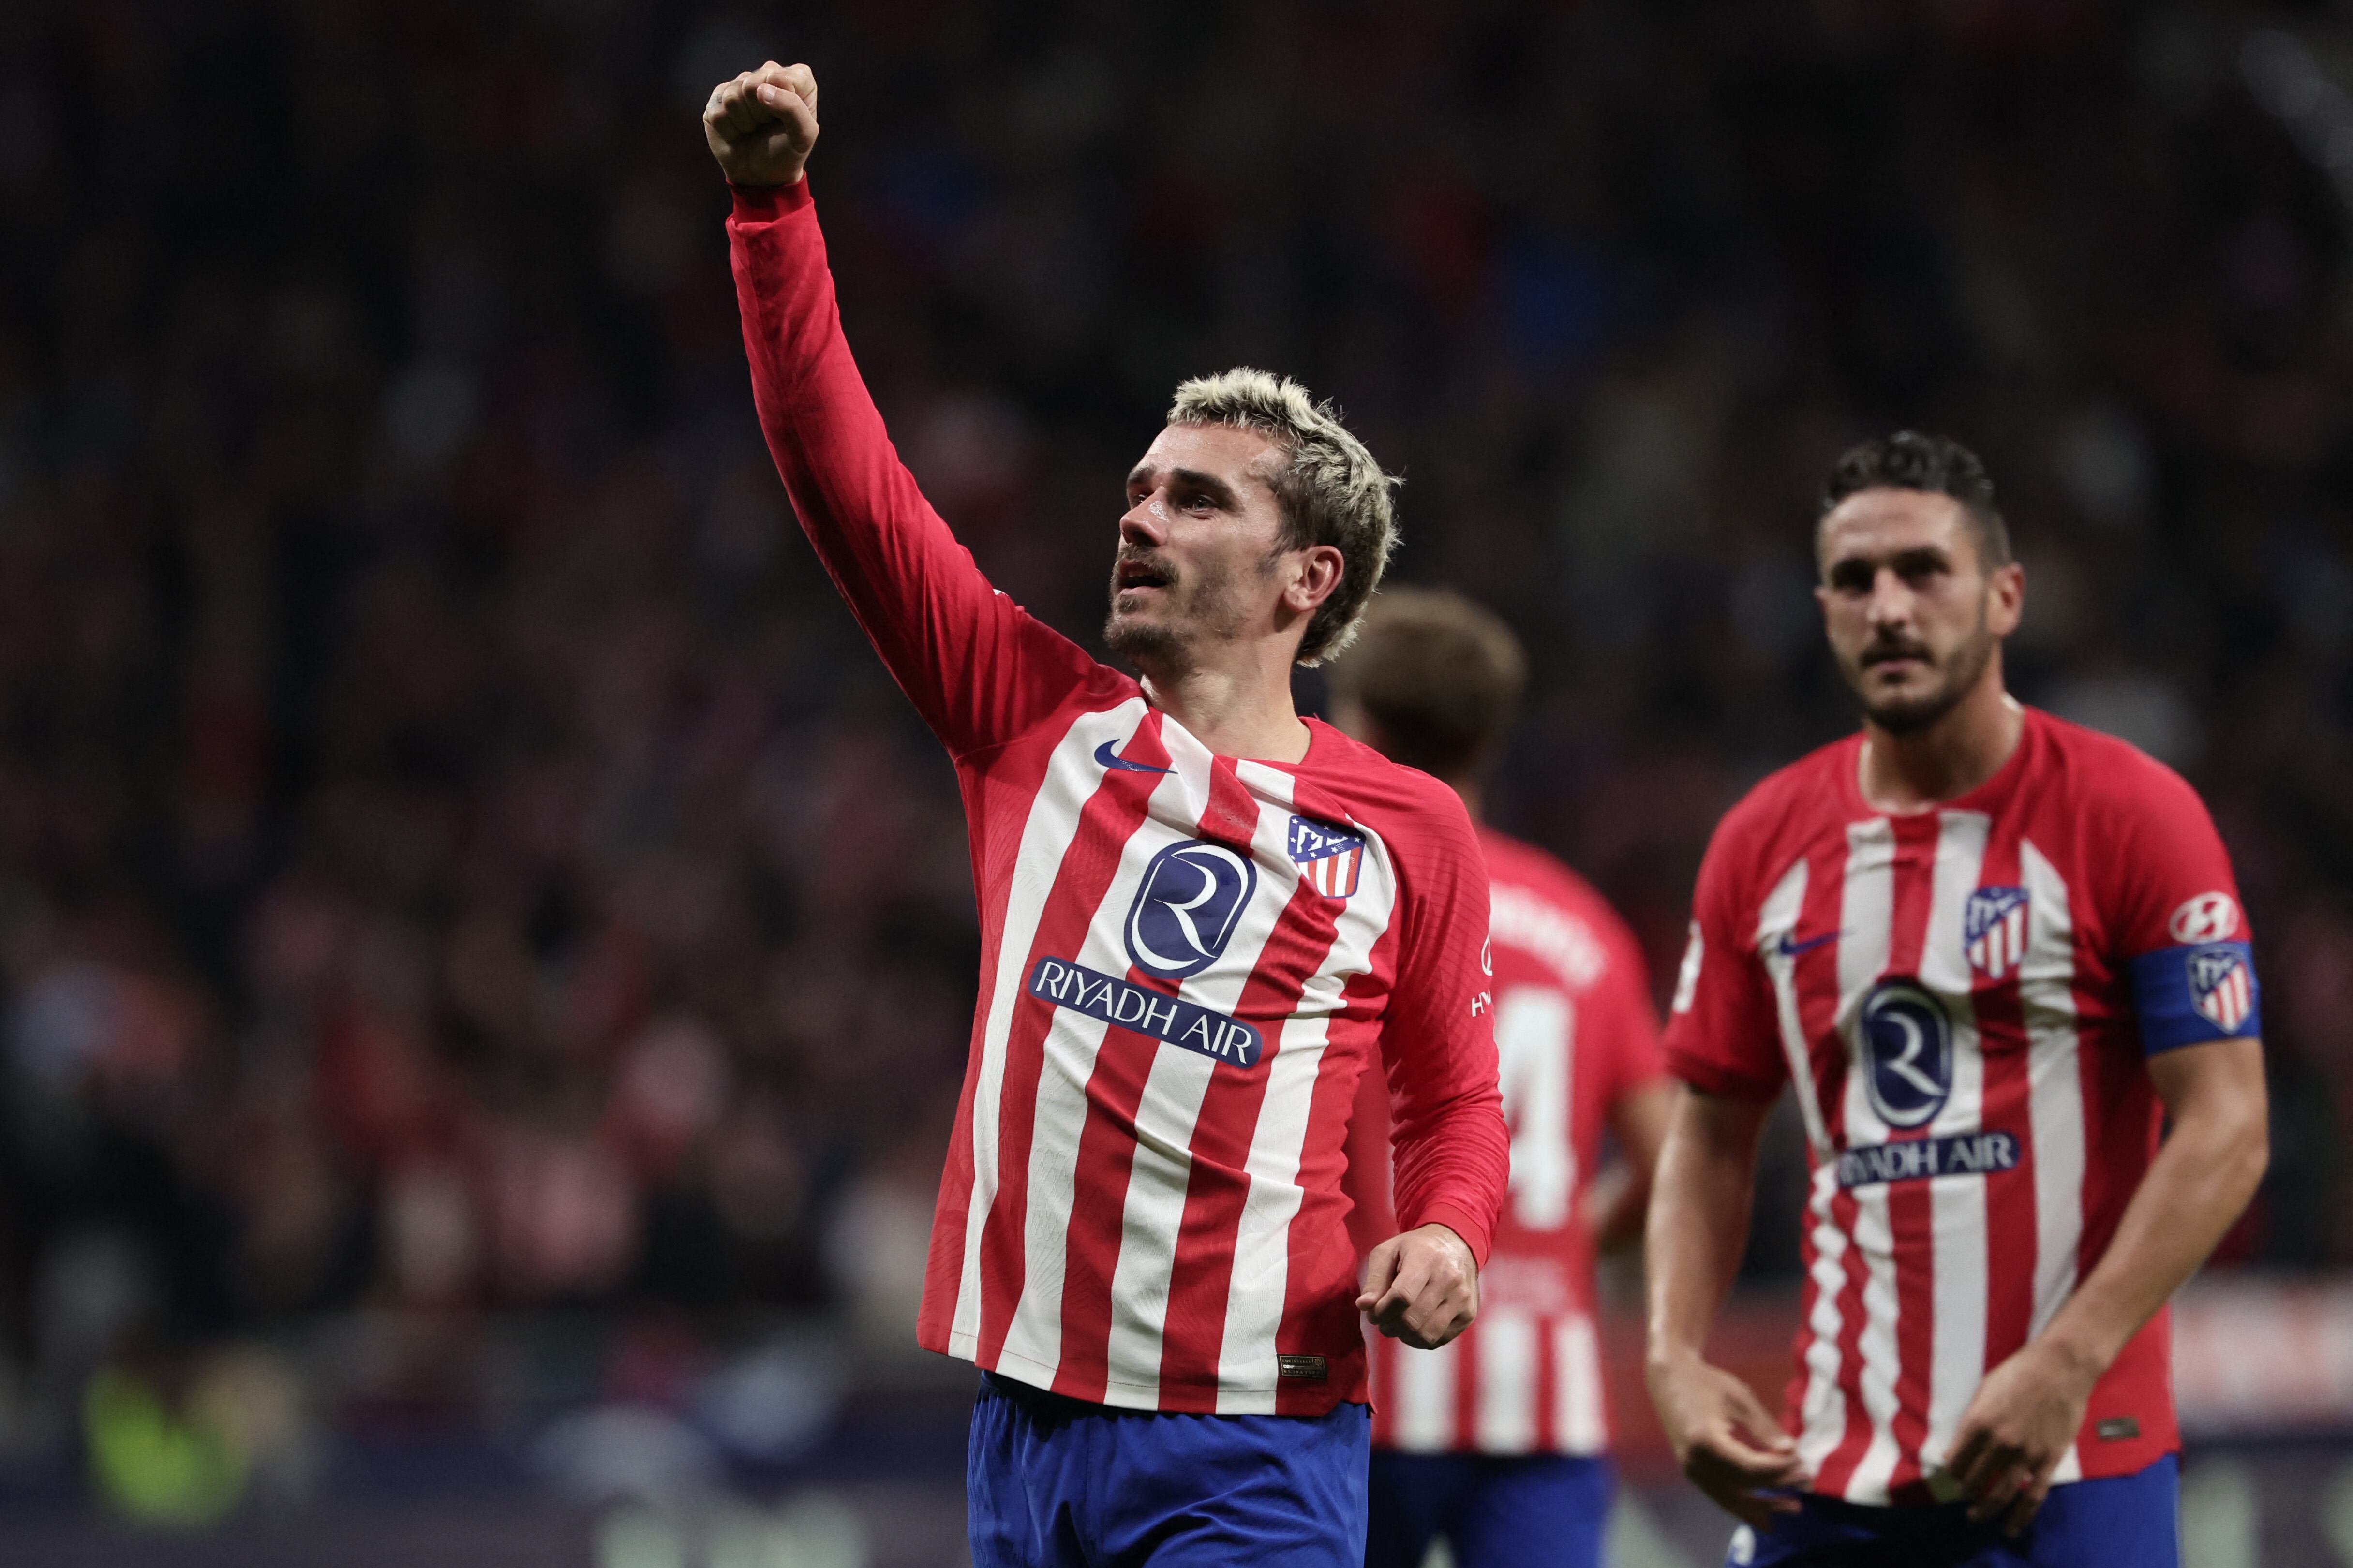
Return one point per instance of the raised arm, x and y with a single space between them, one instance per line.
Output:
977 666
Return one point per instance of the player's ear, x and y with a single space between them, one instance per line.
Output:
2005 599
1316 577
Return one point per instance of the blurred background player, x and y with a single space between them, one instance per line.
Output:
1498 1442
1997 953
1189 956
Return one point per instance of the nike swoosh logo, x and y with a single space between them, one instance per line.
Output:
1103 755
1789 949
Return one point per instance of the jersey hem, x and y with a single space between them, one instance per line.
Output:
1147 1397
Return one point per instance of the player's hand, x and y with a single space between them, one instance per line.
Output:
1421 1287
761 124
2016 1431
1726 1441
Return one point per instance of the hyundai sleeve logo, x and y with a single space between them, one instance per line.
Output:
1907 1047
1185 908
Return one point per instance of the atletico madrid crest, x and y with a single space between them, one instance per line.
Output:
2221 987
1995 929
1329 860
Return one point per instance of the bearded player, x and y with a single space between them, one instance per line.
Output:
1202 920
2001 959
1498 1442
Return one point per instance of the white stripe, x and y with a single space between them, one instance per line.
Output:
1507 1343
1070 778
1957 1205
1578 1424
2046 994
1246 1366
1777 922
1072 1040
1822 1408
1165 1116
1822 1412
1425 1398
1866 920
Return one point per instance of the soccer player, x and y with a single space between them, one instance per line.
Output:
1498 1442
1996 955
1202 920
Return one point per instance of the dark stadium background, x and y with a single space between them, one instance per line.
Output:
485 954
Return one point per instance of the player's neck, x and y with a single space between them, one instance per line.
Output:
1241 708
1912 771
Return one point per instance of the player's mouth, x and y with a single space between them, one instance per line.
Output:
1897 661
1138 574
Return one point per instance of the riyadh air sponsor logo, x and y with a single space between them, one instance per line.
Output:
1164 1018
1328 859
2209 917
1907 1047
1916 1159
1187 907
1994 927
1109 759
2220 986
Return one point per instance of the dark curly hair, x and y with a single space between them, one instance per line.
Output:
1909 460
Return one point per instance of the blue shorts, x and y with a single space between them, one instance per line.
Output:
2115 1521
1495 1512
1053 1482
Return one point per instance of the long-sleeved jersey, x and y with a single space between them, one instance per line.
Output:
1965 999
1187 960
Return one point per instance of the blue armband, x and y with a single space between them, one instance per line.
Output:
2186 996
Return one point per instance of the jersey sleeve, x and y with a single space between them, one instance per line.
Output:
1452 1153
1721 1037
978 668
2174 918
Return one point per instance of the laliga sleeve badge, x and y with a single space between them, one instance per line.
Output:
2209 917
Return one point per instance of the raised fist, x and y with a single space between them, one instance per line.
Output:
761 124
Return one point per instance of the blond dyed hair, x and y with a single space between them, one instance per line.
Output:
1330 489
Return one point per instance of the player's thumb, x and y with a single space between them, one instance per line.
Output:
1380 1267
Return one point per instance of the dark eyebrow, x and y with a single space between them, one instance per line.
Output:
1216 488
1919 558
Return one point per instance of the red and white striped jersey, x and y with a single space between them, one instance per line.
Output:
1576 1034
1964 998
1187 960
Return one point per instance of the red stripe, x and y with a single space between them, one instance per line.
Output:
1910 1214
995 820
1818 1002
1109 817
1220 1183
1547 1392
2007 1108
1380 1387
1106 1162
1318 1243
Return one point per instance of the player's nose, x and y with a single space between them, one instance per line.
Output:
1143 523
1891 598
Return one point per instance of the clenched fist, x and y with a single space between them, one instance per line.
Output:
761 124
1421 1287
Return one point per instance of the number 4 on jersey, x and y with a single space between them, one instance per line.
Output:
1536 1028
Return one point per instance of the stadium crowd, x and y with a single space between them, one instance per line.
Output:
456 853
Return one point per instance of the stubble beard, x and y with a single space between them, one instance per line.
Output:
1200 610
1962 668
